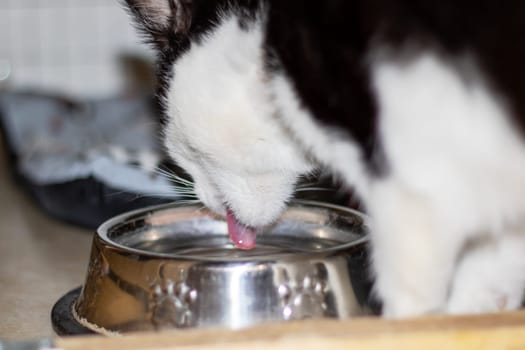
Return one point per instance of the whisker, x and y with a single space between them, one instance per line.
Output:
172 193
138 195
300 201
317 184
183 191
172 176
303 184
304 189
181 179
180 185
154 195
163 172
188 202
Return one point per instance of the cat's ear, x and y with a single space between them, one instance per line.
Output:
159 19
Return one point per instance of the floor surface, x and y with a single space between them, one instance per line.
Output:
40 260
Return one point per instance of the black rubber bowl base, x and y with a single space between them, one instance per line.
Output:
62 319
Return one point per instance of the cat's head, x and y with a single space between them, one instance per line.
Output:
221 125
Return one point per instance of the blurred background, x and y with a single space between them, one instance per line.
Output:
77 47
79 143
76 110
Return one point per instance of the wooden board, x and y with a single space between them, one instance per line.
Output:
494 332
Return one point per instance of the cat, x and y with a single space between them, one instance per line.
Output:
417 105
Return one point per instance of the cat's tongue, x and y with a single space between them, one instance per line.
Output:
242 236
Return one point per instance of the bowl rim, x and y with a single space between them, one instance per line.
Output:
102 232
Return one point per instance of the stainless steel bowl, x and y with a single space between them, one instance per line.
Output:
174 266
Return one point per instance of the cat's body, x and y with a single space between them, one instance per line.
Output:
417 105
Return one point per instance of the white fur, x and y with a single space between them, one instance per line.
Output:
221 129
491 276
329 146
455 166
456 172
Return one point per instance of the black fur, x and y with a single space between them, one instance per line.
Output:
324 47
320 47
203 16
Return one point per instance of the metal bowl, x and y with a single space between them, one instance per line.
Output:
174 267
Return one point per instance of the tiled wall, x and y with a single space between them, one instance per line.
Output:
66 45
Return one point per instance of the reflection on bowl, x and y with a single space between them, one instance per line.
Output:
174 267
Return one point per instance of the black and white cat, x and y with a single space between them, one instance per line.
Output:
418 105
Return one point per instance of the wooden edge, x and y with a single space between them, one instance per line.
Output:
494 331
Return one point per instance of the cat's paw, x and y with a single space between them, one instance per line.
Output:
409 305
489 278
480 301
405 310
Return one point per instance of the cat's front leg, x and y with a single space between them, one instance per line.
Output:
490 276
413 252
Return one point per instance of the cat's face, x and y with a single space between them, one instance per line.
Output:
222 127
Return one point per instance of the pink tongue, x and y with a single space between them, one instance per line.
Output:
242 236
